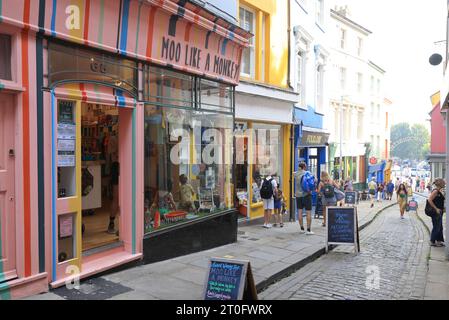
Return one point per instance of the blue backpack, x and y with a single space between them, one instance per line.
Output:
308 182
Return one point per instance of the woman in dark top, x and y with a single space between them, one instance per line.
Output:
436 201
401 196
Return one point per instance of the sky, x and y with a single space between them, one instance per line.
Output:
404 32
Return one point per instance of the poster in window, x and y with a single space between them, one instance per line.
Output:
65 226
66 131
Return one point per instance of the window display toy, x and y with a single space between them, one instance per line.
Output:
175 216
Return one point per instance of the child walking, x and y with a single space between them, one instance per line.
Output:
279 204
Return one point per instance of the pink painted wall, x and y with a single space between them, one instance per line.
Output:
438 132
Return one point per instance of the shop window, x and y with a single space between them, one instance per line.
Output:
5 57
69 63
66 148
66 237
168 88
215 96
267 156
188 165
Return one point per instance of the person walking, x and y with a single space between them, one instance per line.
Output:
401 197
380 191
268 189
436 201
390 190
372 188
303 198
327 187
279 200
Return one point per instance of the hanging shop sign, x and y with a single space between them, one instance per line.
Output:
310 139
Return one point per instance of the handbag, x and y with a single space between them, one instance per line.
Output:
429 210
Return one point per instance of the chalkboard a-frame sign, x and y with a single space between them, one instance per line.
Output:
229 279
342 227
350 197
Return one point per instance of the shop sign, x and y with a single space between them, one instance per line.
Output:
342 226
229 279
314 139
373 160
240 127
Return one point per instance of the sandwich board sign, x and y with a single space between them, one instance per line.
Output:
413 205
350 197
342 227
229 279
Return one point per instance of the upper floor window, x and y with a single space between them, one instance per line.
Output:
301 77
343 78
372 84
359 82
378 86
319 88
342 38
319 11
247 22
359 46
5 57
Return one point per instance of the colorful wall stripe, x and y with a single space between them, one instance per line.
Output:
134 180
26 153
40 150
54 194
124 30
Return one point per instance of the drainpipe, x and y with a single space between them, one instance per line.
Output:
289 83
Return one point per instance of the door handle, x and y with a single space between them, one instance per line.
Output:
11 153
11 198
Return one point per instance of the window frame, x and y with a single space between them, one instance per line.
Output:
252 43
319 12
301 64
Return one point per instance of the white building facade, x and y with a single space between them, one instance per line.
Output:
308 74
356 115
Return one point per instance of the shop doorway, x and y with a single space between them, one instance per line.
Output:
100 176
7 185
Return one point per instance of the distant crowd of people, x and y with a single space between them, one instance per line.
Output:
332 193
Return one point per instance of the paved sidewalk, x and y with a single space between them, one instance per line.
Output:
437 287
273 253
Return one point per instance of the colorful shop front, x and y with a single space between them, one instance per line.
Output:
262 144
122 108
311 141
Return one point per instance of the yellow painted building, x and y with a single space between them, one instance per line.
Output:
264 104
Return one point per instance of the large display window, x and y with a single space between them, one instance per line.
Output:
259 154
188 149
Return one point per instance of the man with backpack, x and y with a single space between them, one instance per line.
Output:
304 186
267 191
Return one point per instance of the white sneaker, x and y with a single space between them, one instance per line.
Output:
309 233
302 231
268 226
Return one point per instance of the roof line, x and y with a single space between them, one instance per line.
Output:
351 21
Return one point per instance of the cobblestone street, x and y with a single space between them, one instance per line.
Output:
392 264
